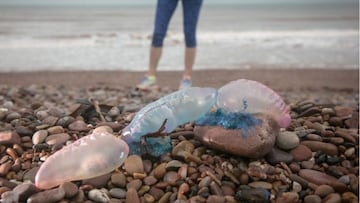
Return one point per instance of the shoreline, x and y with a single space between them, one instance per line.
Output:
278 79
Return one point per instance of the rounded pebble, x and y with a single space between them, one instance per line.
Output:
287 140
98 196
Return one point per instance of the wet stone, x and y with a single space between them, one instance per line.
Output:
156 193
48 196
327 148
5 168
276 156
9 197
132 196
39 136
216 199
332 198
171 177
288 197
135 184
79 125
255 143
118 193
25 190
287 140
70 189
9 137
99 181
160 171
301 153
205 182
23 131
257 195
261 184
98 196
30 175
57 139
312 199
134 164
55 130
118 179
320 178
150 180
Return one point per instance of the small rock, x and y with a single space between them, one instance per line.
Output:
215 199
301 153
327 148
39 136
343 111
171 177
349 197
9 137
6 183
79 125
324 190
102 129
173 165
70 189
57 139
261 184
160 171
118 193
258 142
118 179
276 156
320 178
156 193
23 131
47 196
135 184
12 116
25 190
215 189
132 196
332 198
30 174
257 195
5 168
150 180
312 199
65 121
9 197
55 130
148 198
98 182
205 182
307 164
183 148
287 140
134 164
353 122
98 196
296 187
288 197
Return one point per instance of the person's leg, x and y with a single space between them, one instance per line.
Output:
191 11
164 11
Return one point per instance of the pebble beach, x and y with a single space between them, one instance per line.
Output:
314 160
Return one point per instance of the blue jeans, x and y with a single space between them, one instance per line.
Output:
165 9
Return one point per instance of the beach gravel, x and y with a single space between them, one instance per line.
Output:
315 159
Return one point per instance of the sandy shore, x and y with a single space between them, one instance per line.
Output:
280 79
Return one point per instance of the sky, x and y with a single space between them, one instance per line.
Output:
150 2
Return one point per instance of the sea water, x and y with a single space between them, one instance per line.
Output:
229 37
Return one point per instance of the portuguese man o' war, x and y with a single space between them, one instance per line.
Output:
100 153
